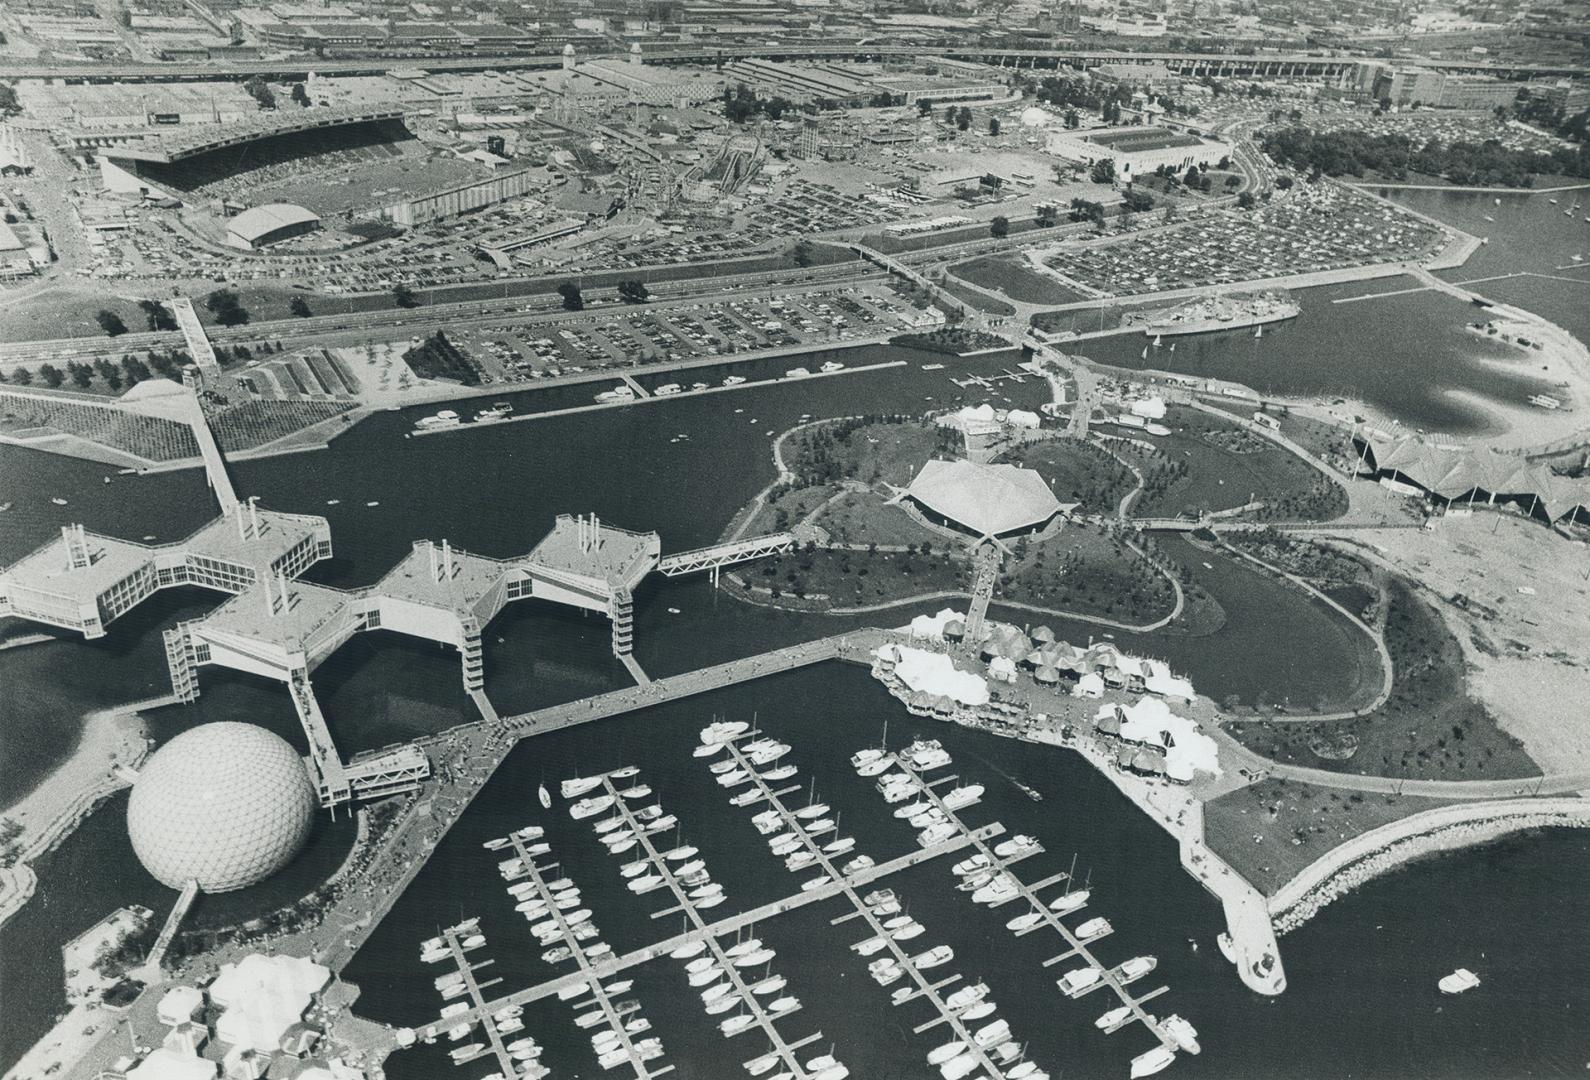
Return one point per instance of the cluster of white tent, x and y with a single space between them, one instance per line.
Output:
1157 741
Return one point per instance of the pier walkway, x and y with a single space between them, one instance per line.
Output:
763 1019
168 932
603 969
986 564
925 988
467 970
598 993
1075 945
857 645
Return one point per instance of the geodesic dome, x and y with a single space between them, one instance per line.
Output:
226 804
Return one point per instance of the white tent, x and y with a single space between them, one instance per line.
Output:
936 674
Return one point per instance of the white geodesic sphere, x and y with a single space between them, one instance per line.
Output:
225 804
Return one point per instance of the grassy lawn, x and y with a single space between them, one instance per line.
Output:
972 297
824 578
1271 830
871 449
1087 571
786 506
1077 472
865 518
1428 729
1013 277
1208 465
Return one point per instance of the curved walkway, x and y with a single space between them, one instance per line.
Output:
1492 818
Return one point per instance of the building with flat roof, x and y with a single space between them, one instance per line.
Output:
1137 151
261 226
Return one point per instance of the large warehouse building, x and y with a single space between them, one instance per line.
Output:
261 226
1137 151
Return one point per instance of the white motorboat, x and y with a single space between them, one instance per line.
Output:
1069 901
1095 927
1184 1033
1115 1016
1016 845
1075 982
1459 982
1137 967
590 807
1025 922
1153 1061
963 796
940 1054
970 865
579 786
934 957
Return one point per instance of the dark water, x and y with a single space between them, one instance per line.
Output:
495 491
1362 1001
1400 353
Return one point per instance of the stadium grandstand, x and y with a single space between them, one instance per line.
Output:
168 145
222 161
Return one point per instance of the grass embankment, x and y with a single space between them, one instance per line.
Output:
1271 830
952 341
819 579
971 297
1206 465
1336 574
1012 276
1087 570
1077 472
1429 729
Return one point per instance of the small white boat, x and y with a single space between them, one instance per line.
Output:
1184 1033
1069 901
1075 982
1137 967
1459 981
1095 927
1025 922
579 786
1153 1061
1115 1016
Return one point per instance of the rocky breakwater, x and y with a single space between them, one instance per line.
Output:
1382 850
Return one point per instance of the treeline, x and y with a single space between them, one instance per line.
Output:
1395 157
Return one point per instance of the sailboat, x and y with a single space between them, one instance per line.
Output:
1173 346
1145 352
1258 331
1156 341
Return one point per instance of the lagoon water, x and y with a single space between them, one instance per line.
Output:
1362 1000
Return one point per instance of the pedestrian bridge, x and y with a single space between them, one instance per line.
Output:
720 555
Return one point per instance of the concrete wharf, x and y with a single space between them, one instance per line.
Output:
1076 947
925 988
614 1021
498 1048
782 1047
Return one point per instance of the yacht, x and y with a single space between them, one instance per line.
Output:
934 957
1096 927
623 392
978 1011
1115 1016
1459 981
1137 967
733 380
963 796
935 834
444 419
579 786
1155 1060
1073 983
832 366
967 996
668 390
1184 1033
961 1065
995 892
724 730
1025 922
991 1034
797 373
1016 845
876 766
863 757
1069 901
815 810
870 946
770 985
971 864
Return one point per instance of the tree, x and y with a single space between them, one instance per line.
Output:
633 292
924 107
1283 182
1103 171
949 114
226 307
999 227
299 307
51 375
81 374
300 96
802 252
1138 201
8 99
1246 201
1073 120
22 377
260 91
111 323
158 315
404 296
993 125
1047 214
963 119
572 300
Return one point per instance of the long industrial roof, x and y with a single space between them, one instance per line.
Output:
260 221
1454 473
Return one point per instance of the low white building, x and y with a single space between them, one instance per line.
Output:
1137 151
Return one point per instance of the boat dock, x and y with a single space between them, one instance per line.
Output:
475 989
593 982
602 969
763 1019
926 989
1075 946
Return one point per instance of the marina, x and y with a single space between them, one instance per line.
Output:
1047 914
